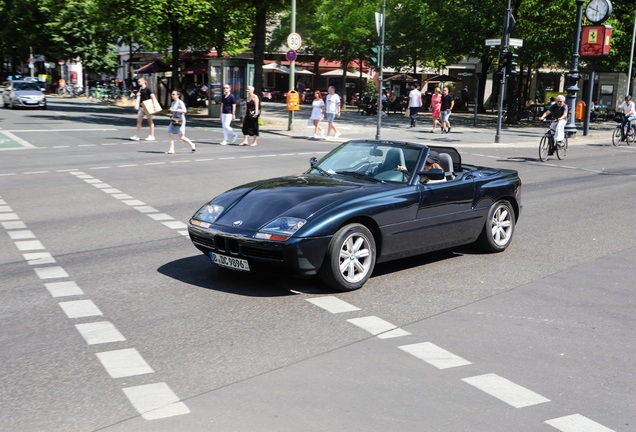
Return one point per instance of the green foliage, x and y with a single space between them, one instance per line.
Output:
370 90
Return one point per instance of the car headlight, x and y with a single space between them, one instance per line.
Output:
206 215
280 229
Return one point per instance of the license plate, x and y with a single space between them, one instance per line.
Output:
229 262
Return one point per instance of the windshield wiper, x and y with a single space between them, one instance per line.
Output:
360 175
322 171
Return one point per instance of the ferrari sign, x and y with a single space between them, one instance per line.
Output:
595 41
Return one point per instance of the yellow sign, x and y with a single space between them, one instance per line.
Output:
293 100
593 36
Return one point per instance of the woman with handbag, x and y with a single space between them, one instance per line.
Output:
178 122
317 114
250 116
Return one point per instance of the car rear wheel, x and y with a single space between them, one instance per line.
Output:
350 258
499 227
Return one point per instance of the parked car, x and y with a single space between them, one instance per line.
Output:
23 94
363 203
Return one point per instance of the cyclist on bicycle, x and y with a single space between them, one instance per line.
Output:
559 115
629 109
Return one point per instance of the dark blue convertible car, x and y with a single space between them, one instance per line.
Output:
365 202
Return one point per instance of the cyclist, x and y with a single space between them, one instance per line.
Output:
629 109
559 115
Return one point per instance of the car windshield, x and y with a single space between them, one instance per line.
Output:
380 162
25 86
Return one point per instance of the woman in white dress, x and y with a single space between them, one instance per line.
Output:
317 113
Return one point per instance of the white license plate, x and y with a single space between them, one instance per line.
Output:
229 262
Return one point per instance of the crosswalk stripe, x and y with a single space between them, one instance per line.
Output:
505 390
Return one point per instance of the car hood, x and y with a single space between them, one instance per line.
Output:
27 93
300 196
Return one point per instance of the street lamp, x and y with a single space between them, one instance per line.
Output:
572 78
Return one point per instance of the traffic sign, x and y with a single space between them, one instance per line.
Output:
294 41
493 42
516 42
291 55
61 62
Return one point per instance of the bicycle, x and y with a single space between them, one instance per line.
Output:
619 134
547 146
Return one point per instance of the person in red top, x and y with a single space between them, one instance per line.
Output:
436 106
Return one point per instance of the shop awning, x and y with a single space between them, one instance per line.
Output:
199 68
152 67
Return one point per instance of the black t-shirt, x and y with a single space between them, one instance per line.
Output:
446 101
145 93
557 112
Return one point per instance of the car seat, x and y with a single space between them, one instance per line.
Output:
394 157
446 162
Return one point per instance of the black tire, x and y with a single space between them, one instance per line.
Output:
562 149
351 248
544 148
526 117
631 139
499 227
616 136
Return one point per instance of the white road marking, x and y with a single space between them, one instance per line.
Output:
203 160
104 167
247 157
577 423
102 185
80 308
146 209
111 191
133 202
35 172
60 130
5 209
375 325
175 225
267 156
8 174
505 390
124 363
74 171
87 145
181 161
121 196
29 245
333 304
63 289
287 154
3 202
160 216
184 233
92 181
398 332
155 401
434 355
155 163
20 141
99 333
306 153
126 166
84 176
9 217
21 235
110 144
60 146
226 158
13 225
37 258
50 272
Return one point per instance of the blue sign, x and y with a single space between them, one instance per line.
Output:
291 55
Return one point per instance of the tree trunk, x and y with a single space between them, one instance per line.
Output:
260 29
174 29
485 65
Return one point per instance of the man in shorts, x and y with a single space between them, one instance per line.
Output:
448 103
332 111
143 94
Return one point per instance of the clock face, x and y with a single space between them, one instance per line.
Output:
598 10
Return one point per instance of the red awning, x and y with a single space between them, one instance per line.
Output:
153 67
199 68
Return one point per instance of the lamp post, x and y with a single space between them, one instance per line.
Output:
572 78
380 82
292 66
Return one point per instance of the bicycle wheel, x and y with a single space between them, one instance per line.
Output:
526 117
616 136
544 148
562 149
631 139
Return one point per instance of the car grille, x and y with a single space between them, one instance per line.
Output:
262 253
203 241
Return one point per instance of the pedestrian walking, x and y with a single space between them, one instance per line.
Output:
317 113
447 107
145 93
333 111
465 98
250 117
415 102
436 107
178 122
228 113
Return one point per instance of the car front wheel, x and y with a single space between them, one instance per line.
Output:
500 225
350 258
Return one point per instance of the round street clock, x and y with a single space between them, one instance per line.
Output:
598 11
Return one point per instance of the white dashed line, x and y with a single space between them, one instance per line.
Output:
333 304
124 363
87 145
434 355
80 308
577 423
247 157
175 225
155 163
378 327
29 245
160 216
93 181
5 209
111 191
121 196
133 202
13 225
227 158
8 174
146 209
203 160
127 166
60 146
155 401
182 161
99 333
36 172
21 235
267 156
63 289
50 272
102 185
505 390
38 258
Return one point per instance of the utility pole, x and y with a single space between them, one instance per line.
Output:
292 65
505 41
572 78
631 60
380 82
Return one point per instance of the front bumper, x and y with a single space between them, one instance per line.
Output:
30 103
299 257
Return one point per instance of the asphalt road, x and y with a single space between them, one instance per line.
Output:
113 321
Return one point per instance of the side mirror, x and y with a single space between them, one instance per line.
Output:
433 174
313 161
